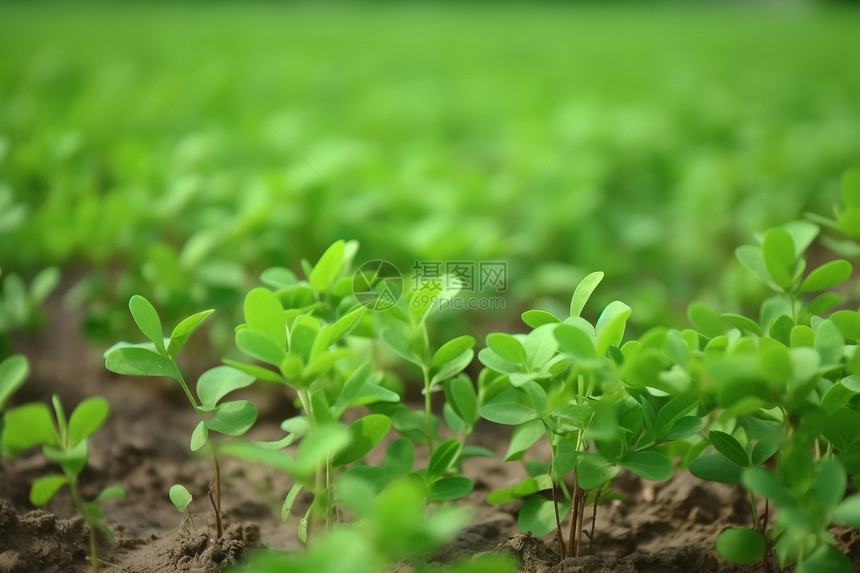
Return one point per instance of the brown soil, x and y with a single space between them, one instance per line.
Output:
144 448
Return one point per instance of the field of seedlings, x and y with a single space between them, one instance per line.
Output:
461 288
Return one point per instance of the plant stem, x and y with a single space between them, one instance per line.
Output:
559 536
594 517
73 487
573 541
580 511
428 409
216 500
319 518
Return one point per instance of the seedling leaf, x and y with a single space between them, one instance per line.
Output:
448 488
848 322
764 483
27 426
575 341
443 458
535 318
741 545
753 259
779 254
538 515
110 492
742 323
199 436
451 350
649 465
184 330
264 313
507 409
460 393
180 497
827 276
147 320
87 418
716 467
367 432
233 418
848 512
826 559
289 501
583 292
763 451
258 372
327 268
729 447
326 440
13 371
133 361
592 470
610 326
507 347
44 488
399 339
219 381
260 346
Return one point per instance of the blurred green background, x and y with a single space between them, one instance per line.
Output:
176 150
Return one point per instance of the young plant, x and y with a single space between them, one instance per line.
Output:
392 527
13 372
158 358
64 442
19 305
786 386
405 333
601 406
297 336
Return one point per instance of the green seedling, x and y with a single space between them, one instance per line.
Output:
19 304
298 337
13 372
845 224
181 499
406 334
64 442
593 400
391 527
784 387
158 358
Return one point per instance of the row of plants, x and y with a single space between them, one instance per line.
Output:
769 402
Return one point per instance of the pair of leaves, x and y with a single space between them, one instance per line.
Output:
777 261
441 487
728 464
229 418
158 359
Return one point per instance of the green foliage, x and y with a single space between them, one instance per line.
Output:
391 526
577 385
64 442
158 358
20 304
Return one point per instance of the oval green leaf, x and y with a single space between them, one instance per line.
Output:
741 545
219 381
233 418
134 361
147 320
366 432
44 488
180 497
87 418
